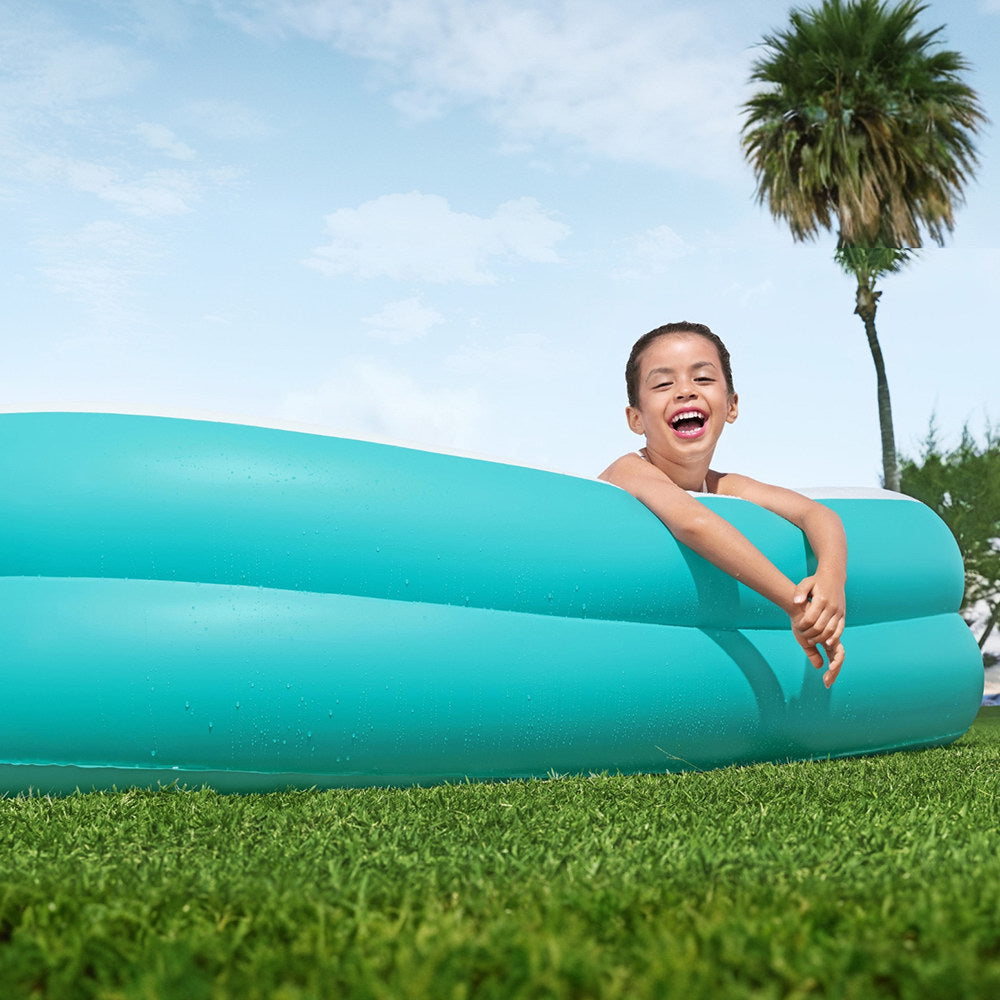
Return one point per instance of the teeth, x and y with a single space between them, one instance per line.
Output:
685 414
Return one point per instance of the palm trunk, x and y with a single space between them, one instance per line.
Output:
990 622
867 304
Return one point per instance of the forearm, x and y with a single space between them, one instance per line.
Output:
825 533
716 540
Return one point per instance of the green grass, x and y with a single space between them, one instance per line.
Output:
877 877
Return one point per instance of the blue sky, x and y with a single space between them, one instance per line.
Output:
443 223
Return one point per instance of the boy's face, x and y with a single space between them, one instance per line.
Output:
683 400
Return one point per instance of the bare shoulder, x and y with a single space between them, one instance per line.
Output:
677 509
646 483
626 469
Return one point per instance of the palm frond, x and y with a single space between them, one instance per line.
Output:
861 123
869 263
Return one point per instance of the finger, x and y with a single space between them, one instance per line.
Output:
839 655
809 632
819 613
804 635
818 631
812 638
832 626
809 648
815 656
836 630
828 629
811 611
805 624
802 591
805 639
836 662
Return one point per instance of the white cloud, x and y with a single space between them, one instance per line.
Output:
57 92
160 138
635 80
48 69
650 253
402 321
450 401
369 400
154 193
418 237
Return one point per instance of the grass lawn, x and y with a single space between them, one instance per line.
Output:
876 877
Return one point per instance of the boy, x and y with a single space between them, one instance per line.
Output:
681 396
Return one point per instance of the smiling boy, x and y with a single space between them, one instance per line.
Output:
680 398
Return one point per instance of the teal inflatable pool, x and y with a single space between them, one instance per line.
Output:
251 609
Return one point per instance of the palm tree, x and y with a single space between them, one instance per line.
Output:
865 126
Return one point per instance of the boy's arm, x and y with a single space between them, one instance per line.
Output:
820 600
714 538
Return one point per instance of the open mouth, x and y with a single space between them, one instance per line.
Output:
688 423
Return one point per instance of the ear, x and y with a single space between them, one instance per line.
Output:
634 418
734 408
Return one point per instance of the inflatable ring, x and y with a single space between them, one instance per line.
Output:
247 609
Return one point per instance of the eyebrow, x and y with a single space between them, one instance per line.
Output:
671 371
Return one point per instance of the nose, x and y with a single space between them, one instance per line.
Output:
685 390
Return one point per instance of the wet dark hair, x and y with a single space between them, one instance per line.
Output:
698 329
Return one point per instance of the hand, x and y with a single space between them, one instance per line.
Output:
834 653
818 616
818 610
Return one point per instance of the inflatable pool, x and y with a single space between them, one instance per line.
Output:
248 609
